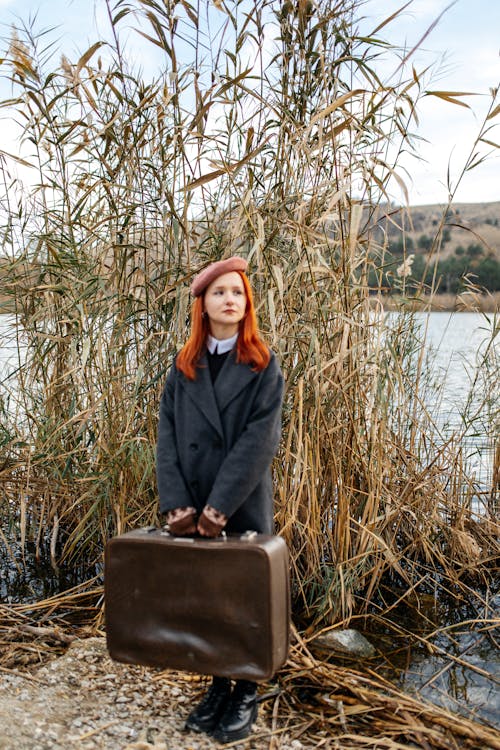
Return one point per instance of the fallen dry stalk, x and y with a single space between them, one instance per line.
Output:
324 704
386 709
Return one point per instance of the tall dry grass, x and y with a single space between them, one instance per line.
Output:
270 133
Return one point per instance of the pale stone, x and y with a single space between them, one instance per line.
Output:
347 641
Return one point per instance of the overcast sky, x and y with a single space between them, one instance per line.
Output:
466 41
466 44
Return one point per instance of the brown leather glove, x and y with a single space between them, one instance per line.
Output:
211 522
182 524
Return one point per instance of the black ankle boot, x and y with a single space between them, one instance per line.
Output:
241 712
207 713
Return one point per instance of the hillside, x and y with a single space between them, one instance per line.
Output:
468 245
465 224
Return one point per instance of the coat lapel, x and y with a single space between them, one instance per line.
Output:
233 378
201 392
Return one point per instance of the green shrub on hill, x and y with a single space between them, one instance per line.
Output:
450 276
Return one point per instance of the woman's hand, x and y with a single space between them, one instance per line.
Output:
211 522
182 521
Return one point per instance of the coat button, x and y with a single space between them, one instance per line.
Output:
193 446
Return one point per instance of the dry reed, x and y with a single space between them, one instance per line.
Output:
271 138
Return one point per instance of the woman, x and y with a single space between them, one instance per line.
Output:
219 429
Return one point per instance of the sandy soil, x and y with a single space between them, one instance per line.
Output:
85 701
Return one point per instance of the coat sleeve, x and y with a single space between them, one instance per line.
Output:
252 454
172 488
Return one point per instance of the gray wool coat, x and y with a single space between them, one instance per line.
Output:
216 442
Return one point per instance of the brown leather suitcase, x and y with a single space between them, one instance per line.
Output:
213 606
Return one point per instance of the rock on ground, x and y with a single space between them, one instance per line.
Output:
85 701
348 641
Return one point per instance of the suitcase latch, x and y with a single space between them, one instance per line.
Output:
248 536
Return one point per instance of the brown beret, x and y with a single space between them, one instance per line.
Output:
211 272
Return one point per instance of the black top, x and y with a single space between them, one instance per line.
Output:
215 362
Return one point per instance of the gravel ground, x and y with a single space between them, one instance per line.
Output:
83 700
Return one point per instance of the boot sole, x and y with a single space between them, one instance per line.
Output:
201 728
193 724
241 734
193 727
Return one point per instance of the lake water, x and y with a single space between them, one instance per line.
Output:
463 359
459 341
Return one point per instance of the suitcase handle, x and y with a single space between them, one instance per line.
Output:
247 536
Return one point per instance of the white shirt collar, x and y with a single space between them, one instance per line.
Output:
221 347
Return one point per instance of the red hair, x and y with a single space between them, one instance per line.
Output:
250 348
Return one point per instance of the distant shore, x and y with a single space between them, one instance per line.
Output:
466 302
